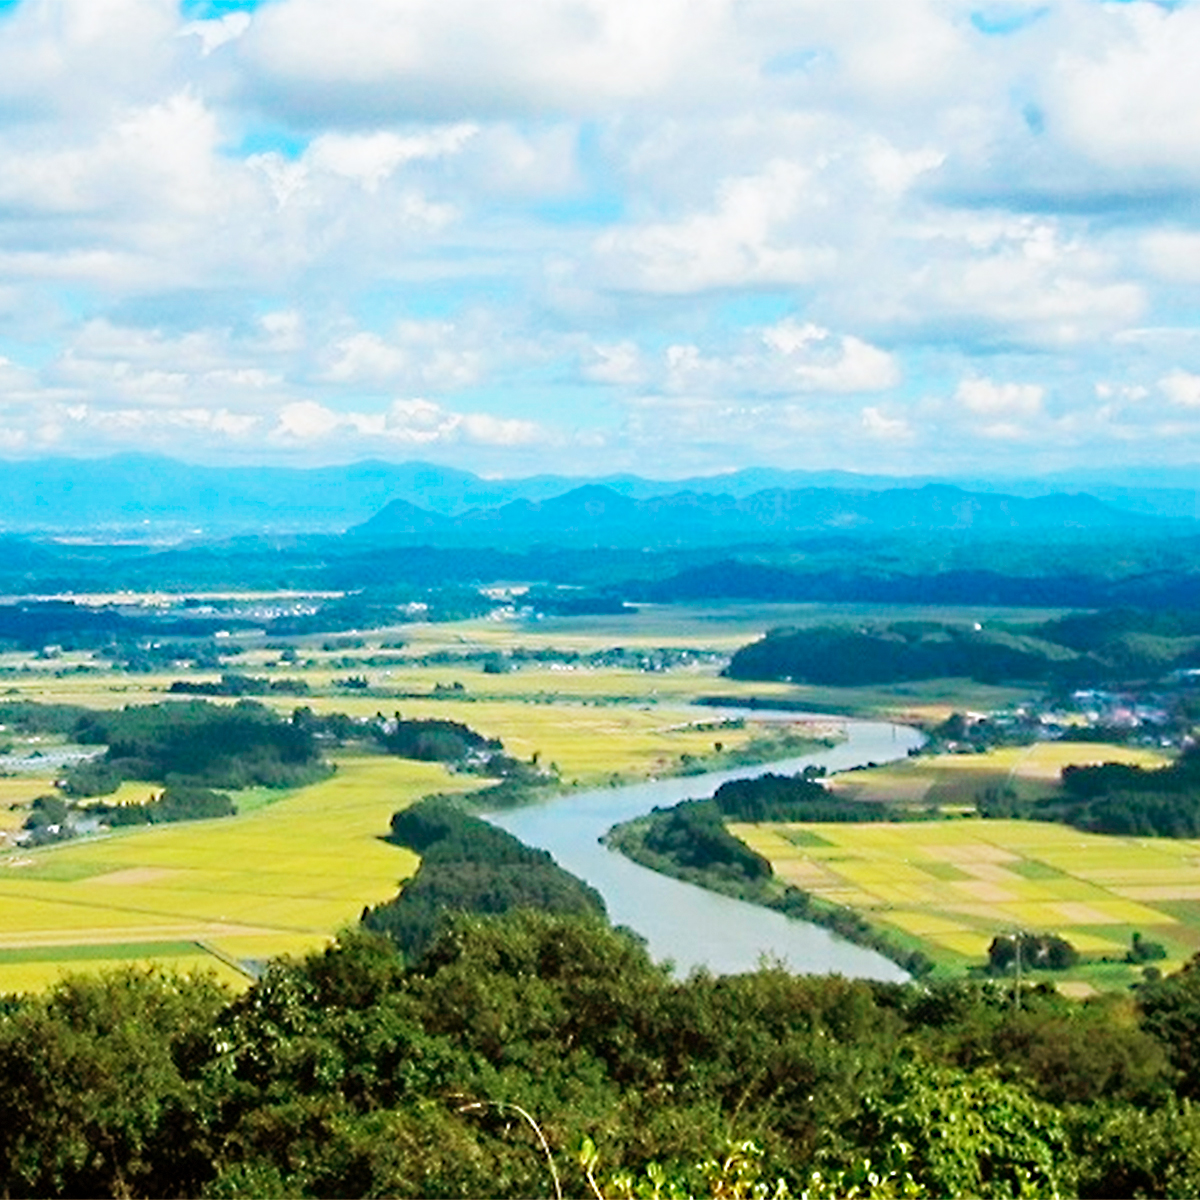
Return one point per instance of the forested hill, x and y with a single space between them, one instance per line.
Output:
1073 651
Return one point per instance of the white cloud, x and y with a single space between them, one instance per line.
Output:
986 398
420 57
306 421
216 33
1173 254
490 430
405 423
620 363
895 170
1001 278
1127 93
425 354
748 238
876 425
817 361
1124 393
369 159
785 359
1181 388
217 230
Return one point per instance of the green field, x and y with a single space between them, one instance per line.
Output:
956 780
951 886
280 880
293 868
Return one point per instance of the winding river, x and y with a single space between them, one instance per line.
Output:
686 924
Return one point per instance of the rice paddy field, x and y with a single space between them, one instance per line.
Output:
219 895
292 869
951 886
712 629
954 781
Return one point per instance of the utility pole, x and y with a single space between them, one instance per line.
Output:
1017 989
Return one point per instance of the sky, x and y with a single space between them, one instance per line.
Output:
586 236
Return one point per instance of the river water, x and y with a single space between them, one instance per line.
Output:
688 925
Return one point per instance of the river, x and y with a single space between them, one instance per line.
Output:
688 925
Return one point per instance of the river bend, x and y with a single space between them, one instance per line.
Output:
688 925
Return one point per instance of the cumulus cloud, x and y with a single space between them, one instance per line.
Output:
986 398
216 33
876 425
620 363
818 361
400 58
370 158
746 239
261 228
1181 388
784 359
405 423
1127 93
432 354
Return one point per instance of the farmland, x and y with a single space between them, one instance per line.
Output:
954 781
280 880
294 867
951 886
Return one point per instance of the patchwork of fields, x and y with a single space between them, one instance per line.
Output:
957 780
282 879
953 885
292 869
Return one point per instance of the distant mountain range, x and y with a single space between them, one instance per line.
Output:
145 495
593 516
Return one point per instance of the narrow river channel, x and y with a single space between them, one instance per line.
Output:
688 925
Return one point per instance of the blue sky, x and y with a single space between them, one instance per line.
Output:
906 236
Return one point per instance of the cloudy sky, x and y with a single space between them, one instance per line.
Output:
666 236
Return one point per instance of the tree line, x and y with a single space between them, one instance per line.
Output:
1118 798
470 866
360 1072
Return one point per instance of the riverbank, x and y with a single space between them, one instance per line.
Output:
629 839
692 926
524 790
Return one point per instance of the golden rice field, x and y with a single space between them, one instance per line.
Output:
957 779
282 879
953 885
592 724
289 871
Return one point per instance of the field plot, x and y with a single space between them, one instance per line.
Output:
589 742
956 780
954 885
282 879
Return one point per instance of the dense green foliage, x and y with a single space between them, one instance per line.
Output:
353 1074
1031 952
1121 799
853 656
178 802
692 834
1073 650
233 684
470 866
773 797
431 740
28 716
225 746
